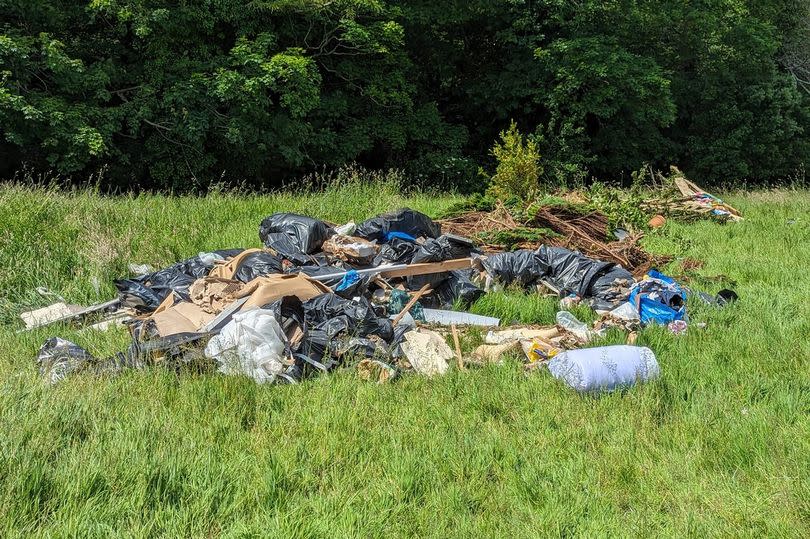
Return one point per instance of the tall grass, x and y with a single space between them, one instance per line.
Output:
719 446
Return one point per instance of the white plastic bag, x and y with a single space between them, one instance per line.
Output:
251 344
604 368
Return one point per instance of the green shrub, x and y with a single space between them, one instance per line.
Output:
518 167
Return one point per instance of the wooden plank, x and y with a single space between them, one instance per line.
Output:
79 315
426 268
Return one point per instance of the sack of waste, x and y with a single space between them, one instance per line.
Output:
251 344
293 235
405 221
605 368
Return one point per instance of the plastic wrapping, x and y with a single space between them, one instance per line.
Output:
406 220
571 323
335 315
399 299
658 299
396 251
58 358
293 234
605 368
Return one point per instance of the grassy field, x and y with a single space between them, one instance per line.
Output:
719 446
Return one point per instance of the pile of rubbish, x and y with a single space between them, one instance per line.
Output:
693 203
378 296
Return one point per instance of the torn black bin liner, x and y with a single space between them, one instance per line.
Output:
445 247
405 220
293 235
572 272
396 251
146 292
523 267
335 315
59 358
457 287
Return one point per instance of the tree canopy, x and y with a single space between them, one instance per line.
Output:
178 94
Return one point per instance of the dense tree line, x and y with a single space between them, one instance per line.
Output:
182 93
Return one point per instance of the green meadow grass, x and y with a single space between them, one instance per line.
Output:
719 446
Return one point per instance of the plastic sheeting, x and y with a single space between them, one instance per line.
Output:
570 272
258 265
446 247
458 287
411 222
335 315
58 358
396 251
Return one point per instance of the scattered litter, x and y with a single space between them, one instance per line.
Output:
693 202
213 294
604 368
677 327
406 221
293 235
509 335
570 323
350 249
658 299
657 221
140 269
399 301
726 296
115 320
315 298
347 229
58 358
538 350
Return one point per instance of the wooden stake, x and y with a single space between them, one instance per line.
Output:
458 347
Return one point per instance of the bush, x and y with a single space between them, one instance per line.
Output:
518 167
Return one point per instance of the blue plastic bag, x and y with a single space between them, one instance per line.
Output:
659 299
348 280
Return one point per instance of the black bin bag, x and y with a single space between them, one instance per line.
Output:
406 220
522 267
290 233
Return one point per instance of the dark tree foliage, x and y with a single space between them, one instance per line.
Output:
177 94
